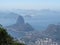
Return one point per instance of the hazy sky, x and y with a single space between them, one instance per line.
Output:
30 4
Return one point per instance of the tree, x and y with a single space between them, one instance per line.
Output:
6 39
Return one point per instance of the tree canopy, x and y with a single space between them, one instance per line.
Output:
6 39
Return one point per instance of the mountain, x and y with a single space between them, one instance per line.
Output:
20 20
20 25
7 14
6 18
53 32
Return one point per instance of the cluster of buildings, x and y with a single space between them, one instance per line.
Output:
46 41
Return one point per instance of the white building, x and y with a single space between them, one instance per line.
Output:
46 41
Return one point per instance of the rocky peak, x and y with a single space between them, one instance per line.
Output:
20 20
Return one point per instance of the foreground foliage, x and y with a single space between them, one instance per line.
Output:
6 39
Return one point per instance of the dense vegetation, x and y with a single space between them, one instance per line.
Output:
6 39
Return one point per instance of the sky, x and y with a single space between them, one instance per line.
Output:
30 4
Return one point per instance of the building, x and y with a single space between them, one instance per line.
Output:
46 41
